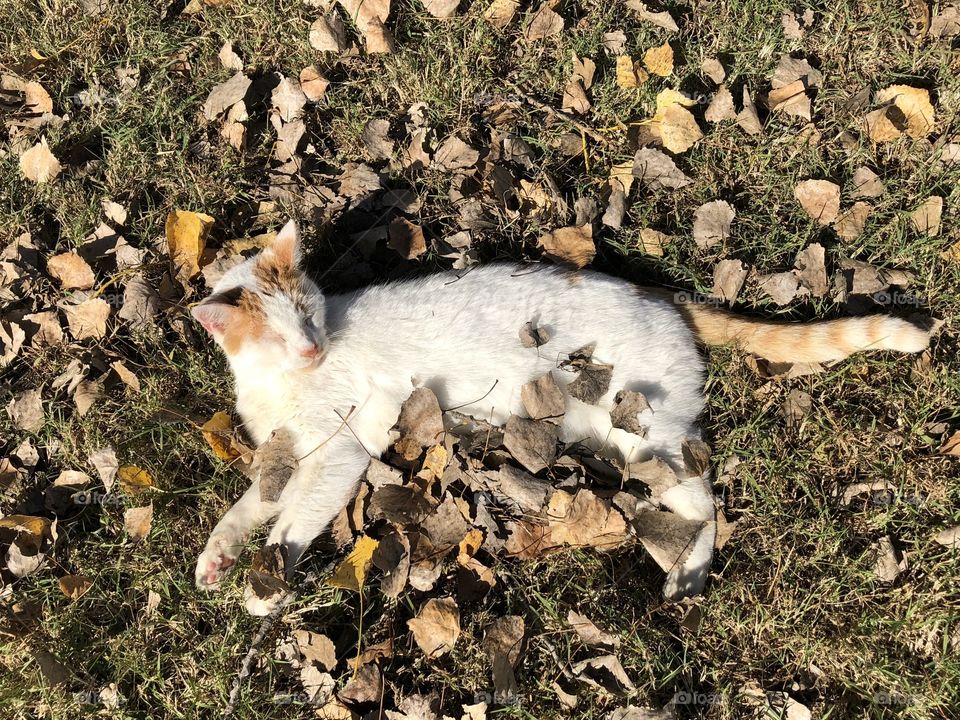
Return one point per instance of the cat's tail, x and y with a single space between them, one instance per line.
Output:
819 341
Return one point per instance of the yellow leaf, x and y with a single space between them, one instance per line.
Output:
629 72
133 479
659 60
436 461
914 103
75 586
187 238
218 431
673 123
469 545
36 55
351 573
30 524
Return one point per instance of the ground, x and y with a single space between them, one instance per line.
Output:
793 604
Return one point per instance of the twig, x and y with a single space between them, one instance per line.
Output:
559 114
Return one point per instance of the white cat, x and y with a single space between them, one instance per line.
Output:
302 361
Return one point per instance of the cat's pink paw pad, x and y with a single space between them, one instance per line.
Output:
214 562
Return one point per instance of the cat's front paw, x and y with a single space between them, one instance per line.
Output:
217 558
261 607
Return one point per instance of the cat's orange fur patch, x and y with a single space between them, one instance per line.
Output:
246 322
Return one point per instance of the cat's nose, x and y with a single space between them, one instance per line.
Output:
310 352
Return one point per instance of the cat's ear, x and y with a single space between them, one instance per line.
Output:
286 246
213 315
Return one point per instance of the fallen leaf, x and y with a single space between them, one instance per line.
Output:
790 69
866 183
629 73
926 218
673 124
44 329
266 578
628 405
782 287
653 241
721 106
352 572
226 95
532 336
436 627
712 68
287 99
542 399
575 92
948 538
86 395
406 238
420 422
914 104
811 269
667 537
728 279
585 520
747 118
105 462
316 648
791 27
711 223
887 567
500 13
851 223
75 586
313 83
572 245
592 383
657 171
137 522
544 23
951 446
274 463
820 199
134 480
88 319
441 9
26 411
455 154
186 233
946 23
318 688
796 407
71 270
791 99
659 60
126 375
375 139
328 34
532 443
38 164
589 633
604 672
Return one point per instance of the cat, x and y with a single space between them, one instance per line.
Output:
304 362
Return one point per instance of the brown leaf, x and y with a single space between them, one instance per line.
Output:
728 279
591 383
226 95
436 627
659 60
532 443
544 23
721 106
364 686
791 99
375 140
441 9
421 420
657 171
220 435
781 287
811 269
519 491
455 154
850 224
267 575
500 13
712 68
791 69
604 672
328 34
747 118
88 319
661 19
137 522
627 407
589 633
274 463
75 586
288 99
951 446
666 536
26 411
711 223
866 183
630 74
585 520
406 238
542 399
38 164
313 83
820 199
532 336
915 109
572 245
926 218
71 270
392 558
399 504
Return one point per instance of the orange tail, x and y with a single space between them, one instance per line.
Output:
820 341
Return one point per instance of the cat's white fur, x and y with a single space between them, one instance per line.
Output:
458 336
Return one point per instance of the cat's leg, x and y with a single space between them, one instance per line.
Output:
322 490
229 536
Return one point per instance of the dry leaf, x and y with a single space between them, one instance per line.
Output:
781 287
352 572
851 223
288 100
500 13
791 69
38 164
219 433
747 118
585 520
604 672
375 139
887 567
126 375
791 99
532 443
712 68
316 648
951 446
945 24
657 171
88 319
572 245
186 233
544 23
728 279
274 463
575 92
948 538
75 586
105 462
720 107
661 19
71 270
653 241
820 199
542 399
711 223
811 269
313 83
926 218
914 105
673 123
436 627
866 183
659 60
133 479
420 421
629 72
532 336
328 34
628 405
137 521
589 633
441 9
26 411
226 95
455 154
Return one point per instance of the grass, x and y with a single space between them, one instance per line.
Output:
793 604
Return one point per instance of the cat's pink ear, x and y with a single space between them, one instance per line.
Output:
214 316
286 246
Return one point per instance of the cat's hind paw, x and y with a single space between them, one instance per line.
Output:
215 561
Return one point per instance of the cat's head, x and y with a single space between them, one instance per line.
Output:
266 312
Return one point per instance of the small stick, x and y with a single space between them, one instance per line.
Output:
559 114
